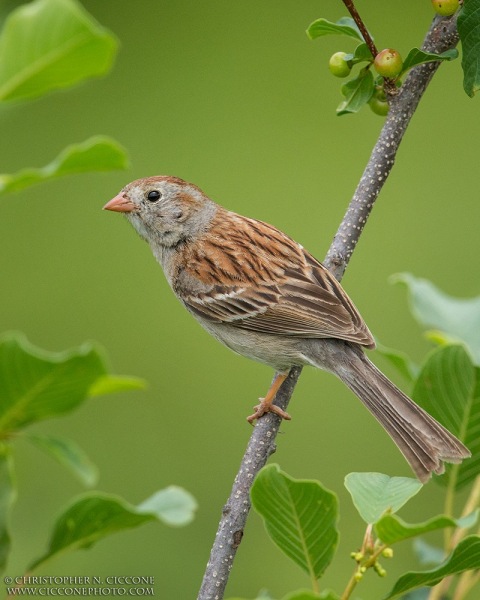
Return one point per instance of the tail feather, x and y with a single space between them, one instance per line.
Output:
421 439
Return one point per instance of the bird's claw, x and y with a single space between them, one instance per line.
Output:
265 407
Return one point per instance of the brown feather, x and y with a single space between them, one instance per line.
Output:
270 284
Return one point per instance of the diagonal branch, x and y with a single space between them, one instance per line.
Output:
361 26
441 36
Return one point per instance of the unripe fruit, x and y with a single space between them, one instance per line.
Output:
445 8
378 106
388 63
358 556
379 570
338 65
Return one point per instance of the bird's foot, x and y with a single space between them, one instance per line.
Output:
264 407
266 404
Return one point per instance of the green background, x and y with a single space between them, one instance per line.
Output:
234 97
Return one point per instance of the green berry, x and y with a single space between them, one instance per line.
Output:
445 8
359 556
387 553
338 65
379 570
379 92
378 106
388 63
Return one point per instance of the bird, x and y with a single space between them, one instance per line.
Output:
264 296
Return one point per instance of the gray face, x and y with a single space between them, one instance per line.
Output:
167 210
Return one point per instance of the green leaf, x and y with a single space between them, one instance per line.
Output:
344 26
36 384
98 153
419 57
446 388
465 556
357 93
329 595
94 516
68 454
7 498
401 361
391 529
262 595
300 517
360 54
111 384
309 595
418 594
51 44
440 338
375 493
468 26
173 505
458 317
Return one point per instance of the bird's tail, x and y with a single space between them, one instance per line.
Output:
421 439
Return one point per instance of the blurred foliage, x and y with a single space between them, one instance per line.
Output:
458 319
447 387
51 44
37 385
95 516
48 45
62 45
99 153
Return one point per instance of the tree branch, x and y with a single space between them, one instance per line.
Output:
441 36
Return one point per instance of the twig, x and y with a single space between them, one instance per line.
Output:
361 25
368 564
466 582
473 502
441 36
469 578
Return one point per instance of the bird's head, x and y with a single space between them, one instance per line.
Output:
164 210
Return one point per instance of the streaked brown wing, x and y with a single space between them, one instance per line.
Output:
309 310
302 302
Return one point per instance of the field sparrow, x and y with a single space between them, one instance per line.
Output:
264 296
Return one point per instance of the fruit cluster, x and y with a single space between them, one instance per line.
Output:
381 72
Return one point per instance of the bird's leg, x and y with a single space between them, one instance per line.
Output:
266 403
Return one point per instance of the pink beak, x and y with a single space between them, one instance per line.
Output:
120 204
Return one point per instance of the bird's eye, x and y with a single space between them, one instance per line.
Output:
154 195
